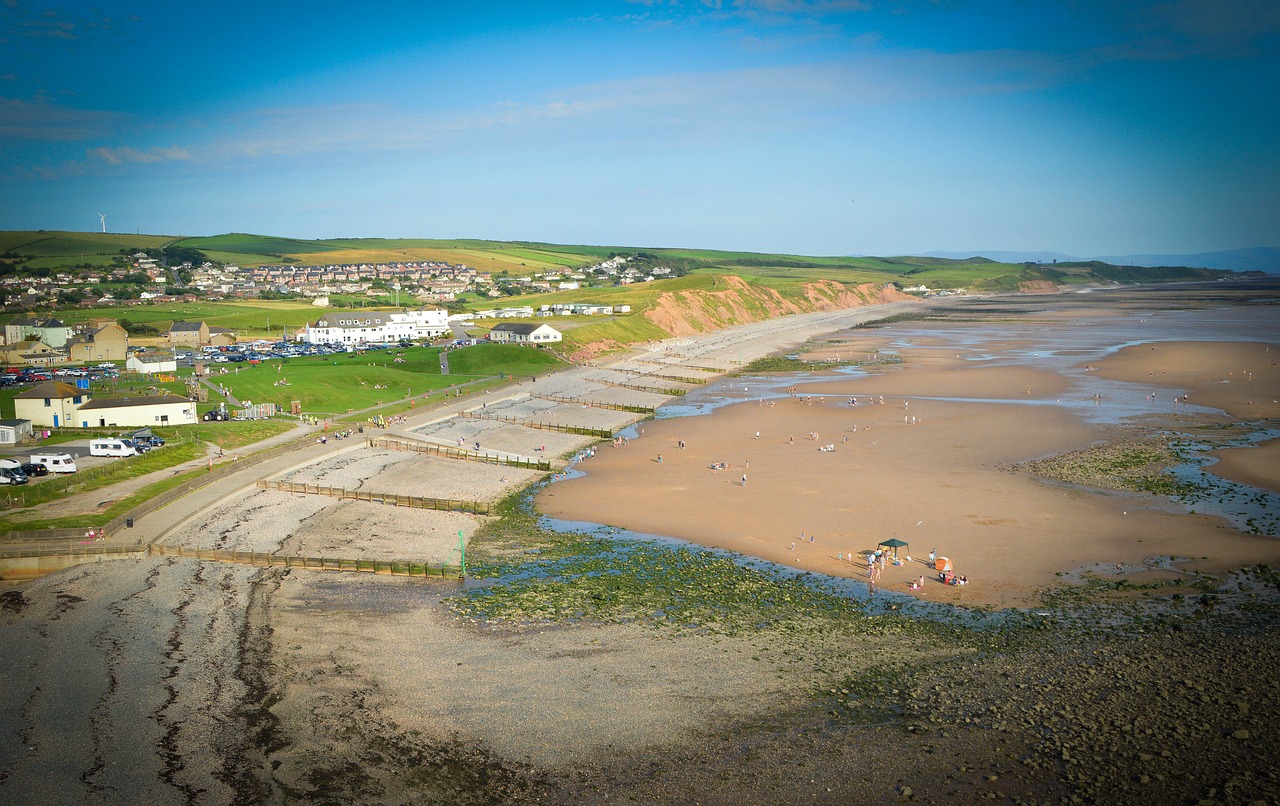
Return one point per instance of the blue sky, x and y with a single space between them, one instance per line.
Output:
804 126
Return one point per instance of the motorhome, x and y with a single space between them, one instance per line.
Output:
56 462
110 447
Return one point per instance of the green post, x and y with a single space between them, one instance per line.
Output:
462 550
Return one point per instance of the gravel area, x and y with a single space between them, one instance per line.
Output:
503 438
575 414
411 473
121 684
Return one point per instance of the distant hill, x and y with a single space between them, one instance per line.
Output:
1259 258
1007 256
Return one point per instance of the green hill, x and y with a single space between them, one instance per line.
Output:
56 250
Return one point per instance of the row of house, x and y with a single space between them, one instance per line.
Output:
34 341
46 341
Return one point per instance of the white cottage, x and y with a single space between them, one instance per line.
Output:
517 333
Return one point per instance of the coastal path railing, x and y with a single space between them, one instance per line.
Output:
656 390
457 453
392 499
563 428
596 404
401 568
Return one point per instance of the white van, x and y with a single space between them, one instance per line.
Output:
55 462
10 464
110 447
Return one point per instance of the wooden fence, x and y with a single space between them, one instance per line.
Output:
30 562
405 568
457 453
676 378
596 404
656 390
682 365
582 430
411 501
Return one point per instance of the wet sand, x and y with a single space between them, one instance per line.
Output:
935 473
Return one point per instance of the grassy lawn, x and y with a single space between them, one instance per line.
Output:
334 384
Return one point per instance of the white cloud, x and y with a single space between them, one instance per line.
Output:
125 154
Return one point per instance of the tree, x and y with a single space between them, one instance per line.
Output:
137 328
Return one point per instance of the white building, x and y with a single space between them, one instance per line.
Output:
136 412
363 327
151 363
515 333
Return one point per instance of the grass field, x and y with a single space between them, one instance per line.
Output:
333 384
73 244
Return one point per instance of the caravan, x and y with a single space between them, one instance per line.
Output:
55 462
110 447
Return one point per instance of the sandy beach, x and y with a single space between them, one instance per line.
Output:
936 464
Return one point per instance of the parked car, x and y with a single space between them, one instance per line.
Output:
34 469
9 475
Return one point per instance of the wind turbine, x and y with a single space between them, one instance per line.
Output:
103 216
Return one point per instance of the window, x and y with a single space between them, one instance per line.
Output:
47 404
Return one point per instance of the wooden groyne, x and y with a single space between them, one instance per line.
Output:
399 568
32 562
676 378
597 404
698 379
562 428
457 453
391 499
656 390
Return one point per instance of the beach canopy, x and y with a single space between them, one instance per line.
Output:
893 543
